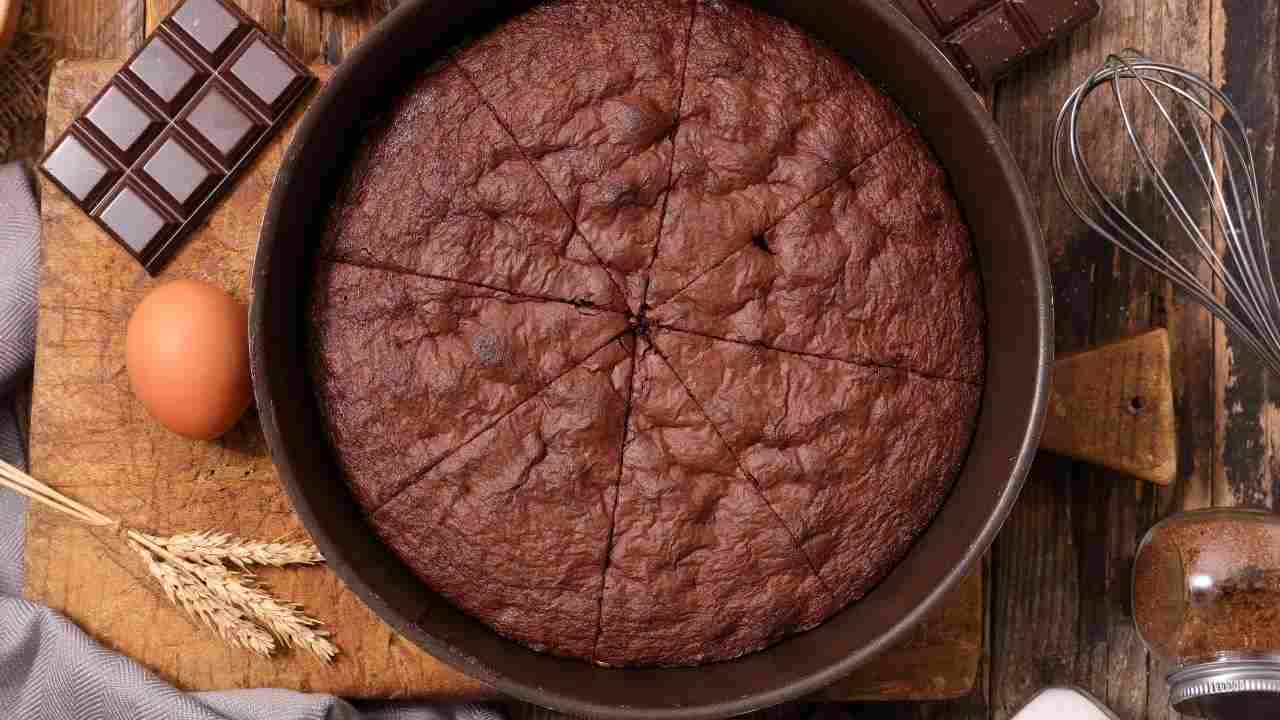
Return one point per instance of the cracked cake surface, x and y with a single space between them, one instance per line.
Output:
647 332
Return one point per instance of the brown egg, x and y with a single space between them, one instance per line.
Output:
187 353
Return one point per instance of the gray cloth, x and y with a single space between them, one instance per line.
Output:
19 260
49 668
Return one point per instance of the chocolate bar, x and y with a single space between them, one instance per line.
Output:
986 38
167 136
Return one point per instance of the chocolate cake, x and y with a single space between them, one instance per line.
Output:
647 332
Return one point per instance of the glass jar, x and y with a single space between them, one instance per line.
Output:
1206 598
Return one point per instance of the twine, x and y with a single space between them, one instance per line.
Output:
24 77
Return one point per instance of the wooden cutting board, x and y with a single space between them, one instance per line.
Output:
91 439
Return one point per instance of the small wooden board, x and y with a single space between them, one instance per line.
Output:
1113 406
91 439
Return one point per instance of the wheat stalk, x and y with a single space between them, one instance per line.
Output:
220 548
195 597
191 569
285 620
240 592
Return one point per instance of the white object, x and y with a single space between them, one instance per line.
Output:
1064 703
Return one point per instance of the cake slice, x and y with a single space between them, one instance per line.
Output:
590 89
700 569
514 526
438 188
877 269
769 117
409 368
855 460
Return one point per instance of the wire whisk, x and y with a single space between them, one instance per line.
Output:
1207 145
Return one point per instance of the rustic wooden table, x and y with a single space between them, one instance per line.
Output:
1058 574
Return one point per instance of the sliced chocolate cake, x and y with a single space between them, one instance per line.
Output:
647 332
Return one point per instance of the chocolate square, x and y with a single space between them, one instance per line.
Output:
951 12
222 124
165 73
985 38
176 171
210 26
1054 18
121 120
262 72
81 170
921 16
137 221
992 43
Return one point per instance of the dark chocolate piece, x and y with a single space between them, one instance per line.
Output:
222 124
166 137
81 171
986 38
176 171
134 219
166 75
210 26
266 74
122 120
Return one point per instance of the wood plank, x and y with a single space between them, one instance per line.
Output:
328 34
973 705
91 28
938 661
1113 406
1061 566
1241 401
1248 413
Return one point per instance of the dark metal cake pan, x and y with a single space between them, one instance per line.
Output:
889 50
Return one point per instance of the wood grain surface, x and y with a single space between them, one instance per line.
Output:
92 439
1058 577
1113 406
1061 567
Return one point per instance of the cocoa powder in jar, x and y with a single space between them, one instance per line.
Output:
1207 584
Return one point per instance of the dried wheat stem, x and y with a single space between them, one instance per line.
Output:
194 596
285 620
241 592
221 548
23 484
43 499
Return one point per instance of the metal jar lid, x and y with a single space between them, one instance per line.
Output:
1238 688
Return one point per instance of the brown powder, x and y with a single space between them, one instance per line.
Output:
1207 584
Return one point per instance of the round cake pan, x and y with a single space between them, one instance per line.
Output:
888 49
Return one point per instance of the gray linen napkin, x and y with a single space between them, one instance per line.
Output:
49 668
